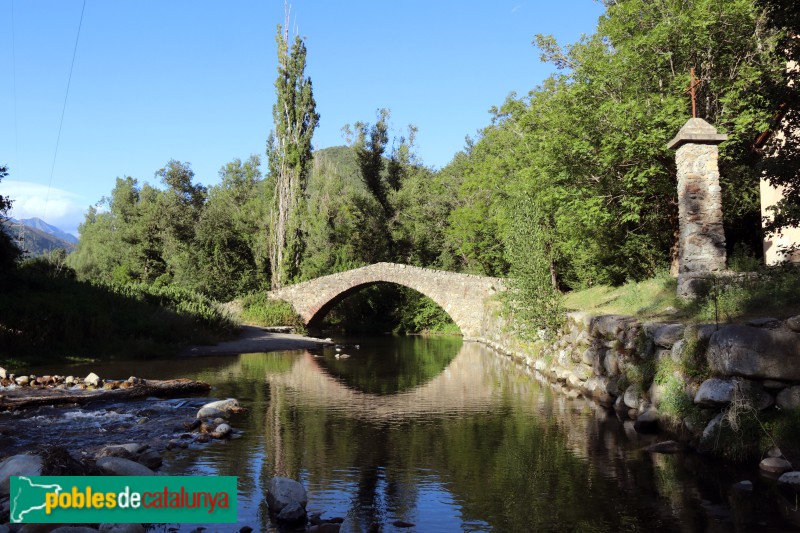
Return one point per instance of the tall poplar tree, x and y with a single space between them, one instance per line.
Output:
289 155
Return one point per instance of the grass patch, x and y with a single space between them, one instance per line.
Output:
675 403
259 310
640 375
772 291
651 298
784 432
741 438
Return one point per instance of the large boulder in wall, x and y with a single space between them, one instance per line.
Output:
755 353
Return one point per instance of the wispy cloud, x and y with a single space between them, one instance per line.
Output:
60 208
517 8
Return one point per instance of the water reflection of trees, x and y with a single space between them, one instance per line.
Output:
518 461
512 454
403 363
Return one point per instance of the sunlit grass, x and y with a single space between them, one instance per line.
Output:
770 292
652 298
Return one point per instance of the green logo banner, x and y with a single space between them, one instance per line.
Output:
123 499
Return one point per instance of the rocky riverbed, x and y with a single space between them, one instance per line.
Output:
72 426
63 425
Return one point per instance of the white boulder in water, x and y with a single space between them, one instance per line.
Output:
92 380
220 408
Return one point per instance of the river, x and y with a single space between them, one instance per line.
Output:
442 434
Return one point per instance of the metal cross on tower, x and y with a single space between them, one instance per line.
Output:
693 84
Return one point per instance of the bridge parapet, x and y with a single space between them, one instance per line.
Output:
462 296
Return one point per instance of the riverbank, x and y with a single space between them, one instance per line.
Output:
255 339
730 390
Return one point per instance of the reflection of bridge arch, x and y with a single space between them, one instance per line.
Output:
458 388
463 296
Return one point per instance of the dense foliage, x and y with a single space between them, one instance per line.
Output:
210 240
579 166
46 312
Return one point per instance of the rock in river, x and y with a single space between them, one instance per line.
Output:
221 431
791 479
647 422
220 408
292 513
667 446
18 465
775 465
789 398
283 491
121 528
117 466
151 459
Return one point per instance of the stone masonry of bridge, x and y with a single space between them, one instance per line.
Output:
465 297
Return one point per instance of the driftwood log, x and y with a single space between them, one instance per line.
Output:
29 397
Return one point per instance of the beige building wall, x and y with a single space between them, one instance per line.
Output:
773 244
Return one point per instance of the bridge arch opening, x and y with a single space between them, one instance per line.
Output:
382 307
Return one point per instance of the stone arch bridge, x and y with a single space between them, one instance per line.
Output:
464 297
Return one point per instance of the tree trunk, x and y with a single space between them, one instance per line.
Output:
34 397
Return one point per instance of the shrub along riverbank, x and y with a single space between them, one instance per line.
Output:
47 314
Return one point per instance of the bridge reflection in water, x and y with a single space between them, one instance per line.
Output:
460 387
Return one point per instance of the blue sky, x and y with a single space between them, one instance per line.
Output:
193 81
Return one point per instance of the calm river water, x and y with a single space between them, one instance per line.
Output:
439 433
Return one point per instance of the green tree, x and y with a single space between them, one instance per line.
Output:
423 204
289 153
9 252
181 206
225 247
110 247
588 147
339 217
384 175
369 142
474 231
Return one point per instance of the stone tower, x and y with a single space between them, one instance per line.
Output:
702 237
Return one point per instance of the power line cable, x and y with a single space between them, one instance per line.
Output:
64 108
14 83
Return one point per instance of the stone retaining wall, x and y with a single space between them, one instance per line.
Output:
663 375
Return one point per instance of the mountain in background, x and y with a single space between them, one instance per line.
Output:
41 225
36 237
